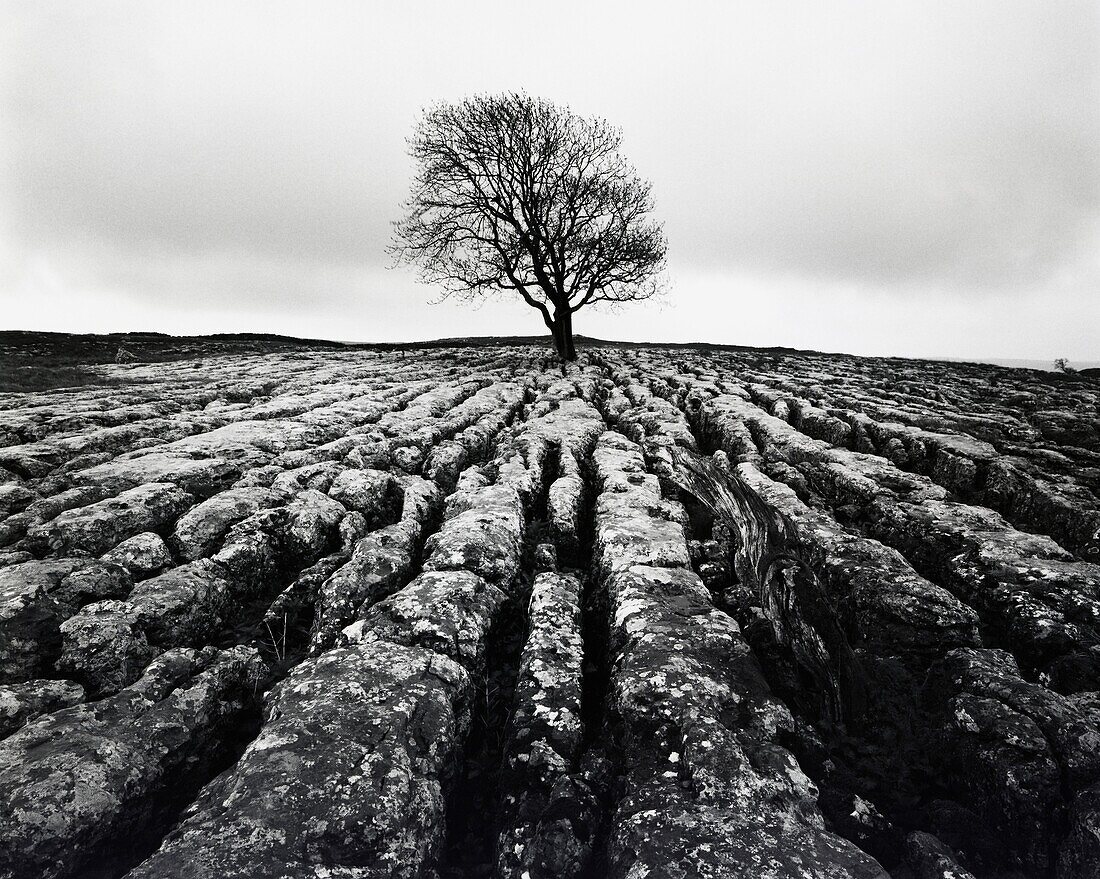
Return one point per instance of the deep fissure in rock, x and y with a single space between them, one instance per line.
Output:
1011 785
151 820
594 633
875 778
473 805
598 754
472 824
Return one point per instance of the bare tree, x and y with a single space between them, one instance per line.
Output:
514 194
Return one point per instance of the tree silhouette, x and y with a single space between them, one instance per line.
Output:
514 194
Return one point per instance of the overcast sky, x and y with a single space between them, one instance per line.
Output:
914 178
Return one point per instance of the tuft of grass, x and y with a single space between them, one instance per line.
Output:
280 651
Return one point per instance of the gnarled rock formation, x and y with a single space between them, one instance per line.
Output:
666 612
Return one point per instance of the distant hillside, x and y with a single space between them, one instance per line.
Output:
151 347
90 348
31 360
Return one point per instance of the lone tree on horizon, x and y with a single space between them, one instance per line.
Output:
514 193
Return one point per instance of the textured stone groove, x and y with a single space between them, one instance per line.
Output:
699 792
899 624
550 795
369 586
972 469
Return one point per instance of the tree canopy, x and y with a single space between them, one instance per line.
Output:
515 194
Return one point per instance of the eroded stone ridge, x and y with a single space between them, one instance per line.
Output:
299 614
708 787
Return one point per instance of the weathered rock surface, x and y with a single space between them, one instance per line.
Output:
73 781
1021 584
547 829
346 775
379 564
22 702
456 612
708 789
880 598
365 491
199 532
101 526
931 859
142 555
36 597
482 536
1017 751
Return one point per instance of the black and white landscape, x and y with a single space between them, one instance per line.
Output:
457 600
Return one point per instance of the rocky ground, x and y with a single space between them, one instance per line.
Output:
460 612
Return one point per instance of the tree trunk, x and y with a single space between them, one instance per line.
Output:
563 334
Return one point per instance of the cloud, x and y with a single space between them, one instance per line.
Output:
908 150
136 127
915 143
